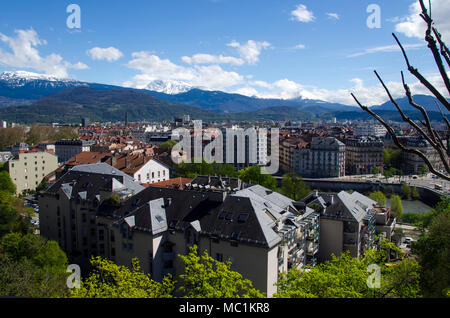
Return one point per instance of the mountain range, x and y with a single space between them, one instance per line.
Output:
30 97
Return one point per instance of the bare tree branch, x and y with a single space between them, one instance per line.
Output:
422 110
422 79
423 127
445 52
443 116
398 143
431 140
432 44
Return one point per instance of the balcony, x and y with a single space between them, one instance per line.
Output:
349 242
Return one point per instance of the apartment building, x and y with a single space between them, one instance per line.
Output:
363 154
347 223
412 163
144 169
260 231
28 168
66 149
374 130
245 147
324 157
69 207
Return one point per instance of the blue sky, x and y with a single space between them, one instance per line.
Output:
268 48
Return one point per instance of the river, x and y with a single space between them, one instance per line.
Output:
413 206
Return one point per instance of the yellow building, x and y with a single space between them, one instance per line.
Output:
28 168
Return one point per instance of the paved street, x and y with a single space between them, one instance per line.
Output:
423 181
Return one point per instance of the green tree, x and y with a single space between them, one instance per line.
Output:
375 171
254 175
433 251
205 277
424 169
192 170
347 277
378 197
65 132
406 190
26 279
168 145
41 252
396 206
392 158
293 186
6 183
11 136
415 193
31 266
108 280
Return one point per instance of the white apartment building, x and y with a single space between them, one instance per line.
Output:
373 130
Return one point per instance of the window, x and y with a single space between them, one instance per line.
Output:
153 175
219 257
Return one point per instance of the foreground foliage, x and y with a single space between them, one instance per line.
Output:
348 277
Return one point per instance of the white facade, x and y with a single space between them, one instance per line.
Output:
153 171
370 130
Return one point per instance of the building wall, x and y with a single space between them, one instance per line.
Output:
152 172
256 264
28 171
362 156
331 238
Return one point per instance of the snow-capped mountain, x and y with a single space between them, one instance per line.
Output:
168 87
23 78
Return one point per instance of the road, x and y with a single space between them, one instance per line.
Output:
422 181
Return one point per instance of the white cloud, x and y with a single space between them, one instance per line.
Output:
212 59
302 14
24 54
300 47
109 54
79 66
251 50
367 95
412 25
152 67
387 48
333 15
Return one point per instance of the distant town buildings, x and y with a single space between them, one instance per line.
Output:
412 163
363 154
375 130
66 149
324 157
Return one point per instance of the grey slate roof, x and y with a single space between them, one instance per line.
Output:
248 216
86 182
103 168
